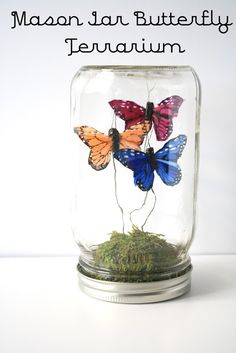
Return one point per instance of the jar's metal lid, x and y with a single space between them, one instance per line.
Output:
136 293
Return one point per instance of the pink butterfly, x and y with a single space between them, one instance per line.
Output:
161 115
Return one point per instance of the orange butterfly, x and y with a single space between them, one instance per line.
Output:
102 145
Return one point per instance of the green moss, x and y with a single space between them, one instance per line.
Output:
135 256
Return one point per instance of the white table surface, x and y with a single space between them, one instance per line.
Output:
42 310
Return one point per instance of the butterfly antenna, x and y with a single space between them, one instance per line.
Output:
153 207
149 90
116 196
138 209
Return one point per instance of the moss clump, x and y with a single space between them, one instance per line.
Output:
136 256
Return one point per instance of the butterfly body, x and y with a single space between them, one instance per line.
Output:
115 135
163 162
151 157
149 110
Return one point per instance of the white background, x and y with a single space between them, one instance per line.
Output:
36 170
42 311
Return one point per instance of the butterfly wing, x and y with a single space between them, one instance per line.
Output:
129 111
133 137
167 157
139 163
163 115
100 146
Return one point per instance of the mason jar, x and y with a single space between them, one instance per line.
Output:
135 146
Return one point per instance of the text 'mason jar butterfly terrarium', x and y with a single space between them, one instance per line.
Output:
136 132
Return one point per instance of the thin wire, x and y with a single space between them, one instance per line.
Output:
115 181
149 138
149 89
138 209
116 196
146 143
153 207
113 120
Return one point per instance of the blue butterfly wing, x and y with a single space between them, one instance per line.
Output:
172 150
170 173
167 157
139 163
144 177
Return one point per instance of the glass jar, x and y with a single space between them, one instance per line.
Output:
136 133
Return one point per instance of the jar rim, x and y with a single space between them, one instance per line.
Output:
137 67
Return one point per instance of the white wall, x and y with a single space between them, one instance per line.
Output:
35 176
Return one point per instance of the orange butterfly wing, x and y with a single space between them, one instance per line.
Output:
100 146
133 137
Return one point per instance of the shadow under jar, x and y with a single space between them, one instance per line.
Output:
135 144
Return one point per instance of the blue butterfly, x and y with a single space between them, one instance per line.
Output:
164 162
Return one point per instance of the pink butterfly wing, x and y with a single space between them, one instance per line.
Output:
163 115
129 111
